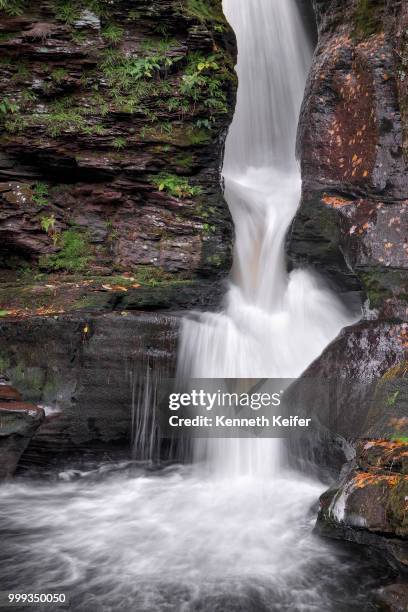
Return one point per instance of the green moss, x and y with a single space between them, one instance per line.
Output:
205 10
396 507
4 364
374 287
367 18
74 254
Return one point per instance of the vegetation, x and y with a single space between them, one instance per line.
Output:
176 186
59 75
67 11
40 194
112 33
367 17
14 8
48 224
74 254
8 107
204 10
119 143
152 276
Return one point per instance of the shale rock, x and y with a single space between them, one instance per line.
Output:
18 422
112 126
90 373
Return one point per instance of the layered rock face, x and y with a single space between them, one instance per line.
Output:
19 421
113 117
90 373
353 218
352 225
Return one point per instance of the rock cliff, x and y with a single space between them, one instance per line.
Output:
352 225
113 117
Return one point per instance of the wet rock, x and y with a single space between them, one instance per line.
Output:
394 598
18 422
102 169
356 388
90 373
370 503
352 223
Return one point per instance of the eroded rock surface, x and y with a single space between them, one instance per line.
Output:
370 504
90 373
19 420
353 219
352 225
113 118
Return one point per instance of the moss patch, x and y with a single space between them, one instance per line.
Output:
74 255
368 18
397 507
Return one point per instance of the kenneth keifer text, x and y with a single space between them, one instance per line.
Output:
223 421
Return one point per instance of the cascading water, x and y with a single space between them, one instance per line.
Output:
237 535
274 324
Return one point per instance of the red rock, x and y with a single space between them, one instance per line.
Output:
9 394
21 407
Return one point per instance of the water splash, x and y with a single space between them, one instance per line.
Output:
274 324
236 535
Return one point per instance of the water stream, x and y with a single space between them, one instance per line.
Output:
232 532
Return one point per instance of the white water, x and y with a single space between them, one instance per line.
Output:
233 533
275 324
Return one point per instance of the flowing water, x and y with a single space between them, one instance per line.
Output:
232 532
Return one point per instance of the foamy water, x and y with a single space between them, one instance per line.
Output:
233 532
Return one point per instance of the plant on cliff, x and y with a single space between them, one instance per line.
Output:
74 254
203 82
14 8
112 33
40 194
119 143
48 224
67 11
59 75
8 107
176 186
204 10
367 17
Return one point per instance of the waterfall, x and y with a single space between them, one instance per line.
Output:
232 532
274 323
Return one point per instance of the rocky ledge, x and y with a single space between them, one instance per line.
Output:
93 375
370 504
18 422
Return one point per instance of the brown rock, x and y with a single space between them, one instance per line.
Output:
9 394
